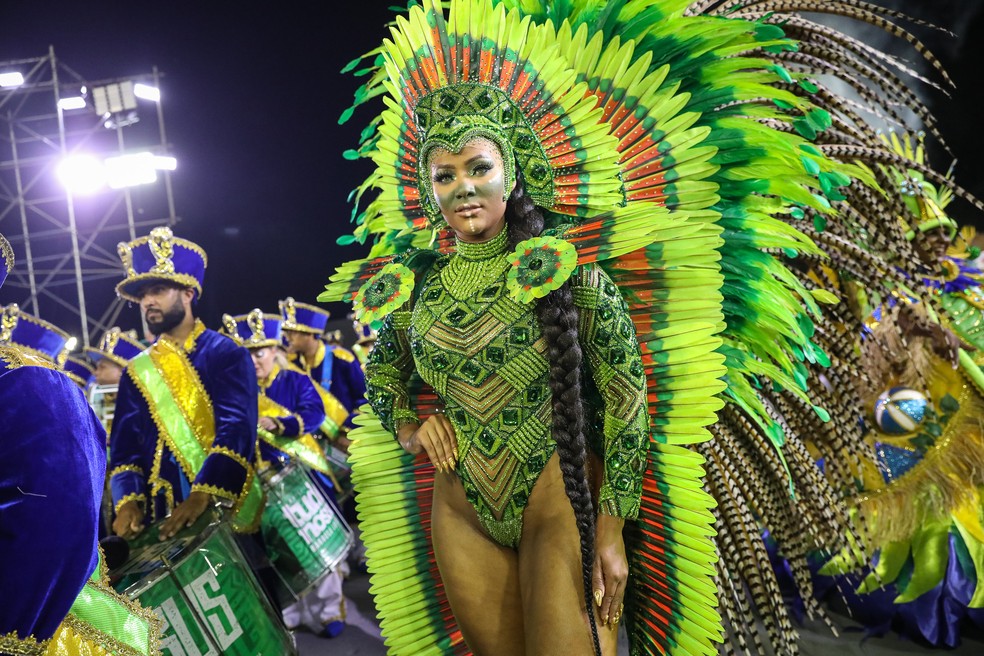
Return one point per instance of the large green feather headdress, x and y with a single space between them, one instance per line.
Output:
486 72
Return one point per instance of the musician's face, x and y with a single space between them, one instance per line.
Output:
264 360
300 342
108 372
165 306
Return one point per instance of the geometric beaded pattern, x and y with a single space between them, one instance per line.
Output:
608 340
484 354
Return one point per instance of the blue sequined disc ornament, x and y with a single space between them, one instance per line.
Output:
900 410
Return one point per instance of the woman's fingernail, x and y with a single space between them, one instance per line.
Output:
598 598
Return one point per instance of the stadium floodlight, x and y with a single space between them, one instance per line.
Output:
147 92
131 170
114 98
86 174
74 102
81 174
11 79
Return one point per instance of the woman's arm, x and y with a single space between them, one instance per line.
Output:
608 340
388 369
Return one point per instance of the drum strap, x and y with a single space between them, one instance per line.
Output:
335 412
182 412
101 616
305 448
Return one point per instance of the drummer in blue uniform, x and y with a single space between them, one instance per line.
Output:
52 463
290 409
80 371
110 355
335 368
290 412
184 430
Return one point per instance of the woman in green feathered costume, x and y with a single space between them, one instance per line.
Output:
662 163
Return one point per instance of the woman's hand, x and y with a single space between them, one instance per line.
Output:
611 569
436 437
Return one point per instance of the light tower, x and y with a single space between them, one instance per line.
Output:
83 165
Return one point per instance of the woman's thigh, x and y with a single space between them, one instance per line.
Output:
481 577
551 578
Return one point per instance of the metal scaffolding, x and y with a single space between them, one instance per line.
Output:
64 244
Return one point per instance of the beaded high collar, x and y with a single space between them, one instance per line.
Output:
485 250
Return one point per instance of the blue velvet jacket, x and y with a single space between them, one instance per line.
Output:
339 372
52 469
229 379
294 391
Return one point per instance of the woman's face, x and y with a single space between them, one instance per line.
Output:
468 187
263 361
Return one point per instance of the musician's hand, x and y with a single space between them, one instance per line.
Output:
436 437
129 520
343 443
185 513
268 423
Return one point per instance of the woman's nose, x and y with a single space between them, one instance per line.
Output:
465 188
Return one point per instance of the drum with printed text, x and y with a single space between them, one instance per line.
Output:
200 585
304 533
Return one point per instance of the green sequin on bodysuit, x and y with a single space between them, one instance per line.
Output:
485 356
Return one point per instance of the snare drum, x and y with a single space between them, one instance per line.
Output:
304 533
200 585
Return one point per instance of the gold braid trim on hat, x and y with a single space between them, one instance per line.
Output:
7 252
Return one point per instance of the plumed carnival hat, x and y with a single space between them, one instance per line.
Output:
116 346
6 259
254 330
32 334
303 318
160 257
79 370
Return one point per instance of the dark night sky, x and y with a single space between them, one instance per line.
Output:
263 159
251 99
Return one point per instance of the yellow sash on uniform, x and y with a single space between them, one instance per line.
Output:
182 411
305 448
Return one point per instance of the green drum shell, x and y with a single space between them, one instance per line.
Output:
304 534
200 585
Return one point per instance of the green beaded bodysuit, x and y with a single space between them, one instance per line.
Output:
484 355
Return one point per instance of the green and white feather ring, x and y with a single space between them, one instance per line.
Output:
387 290
539 266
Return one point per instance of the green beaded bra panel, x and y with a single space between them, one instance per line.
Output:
485 356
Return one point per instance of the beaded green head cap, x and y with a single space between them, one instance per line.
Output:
483 72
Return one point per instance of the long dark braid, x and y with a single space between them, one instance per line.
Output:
558 321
